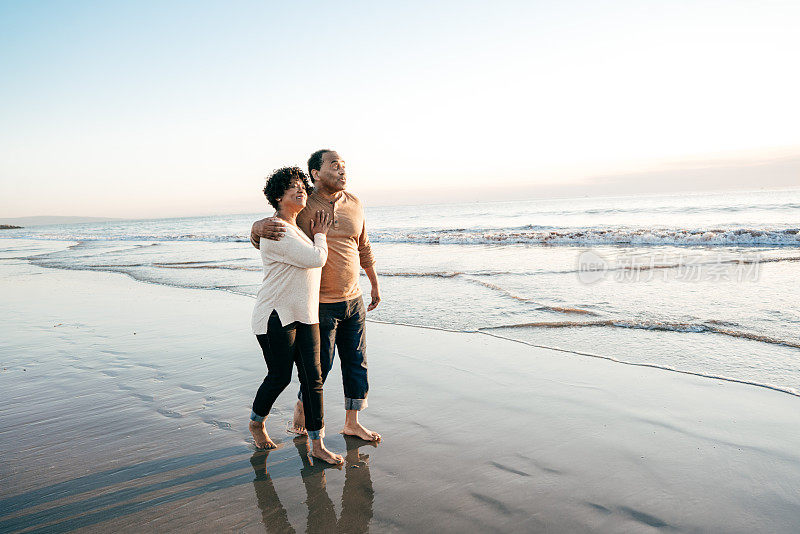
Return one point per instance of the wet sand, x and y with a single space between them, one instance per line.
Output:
125 408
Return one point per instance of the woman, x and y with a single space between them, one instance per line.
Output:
286 314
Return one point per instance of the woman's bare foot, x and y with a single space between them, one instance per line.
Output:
298 420
260 435
319 451
360 431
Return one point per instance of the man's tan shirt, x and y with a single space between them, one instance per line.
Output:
348 245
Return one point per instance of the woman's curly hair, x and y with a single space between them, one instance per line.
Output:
281 180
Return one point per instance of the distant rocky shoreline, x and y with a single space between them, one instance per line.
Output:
9 227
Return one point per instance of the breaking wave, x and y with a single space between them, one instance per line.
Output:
740 237
529 234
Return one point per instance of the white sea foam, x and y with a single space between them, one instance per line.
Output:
727 237
738 237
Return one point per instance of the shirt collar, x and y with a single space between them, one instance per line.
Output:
324 200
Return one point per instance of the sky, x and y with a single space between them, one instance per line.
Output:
172 108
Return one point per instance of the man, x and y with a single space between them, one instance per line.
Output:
341 307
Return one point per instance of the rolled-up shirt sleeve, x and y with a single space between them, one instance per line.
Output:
365 248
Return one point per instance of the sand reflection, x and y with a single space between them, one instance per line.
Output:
357 494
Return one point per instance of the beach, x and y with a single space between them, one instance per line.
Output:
126 407
575 228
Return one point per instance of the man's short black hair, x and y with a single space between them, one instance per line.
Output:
315 161
281 180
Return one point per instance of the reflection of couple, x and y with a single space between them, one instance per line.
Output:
309 303
357 494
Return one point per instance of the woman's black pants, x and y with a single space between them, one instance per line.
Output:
283 347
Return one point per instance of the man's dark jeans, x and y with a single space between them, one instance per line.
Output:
342 326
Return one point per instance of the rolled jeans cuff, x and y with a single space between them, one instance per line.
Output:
316 434
257 418
355 404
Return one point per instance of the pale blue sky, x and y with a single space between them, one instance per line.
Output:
175 108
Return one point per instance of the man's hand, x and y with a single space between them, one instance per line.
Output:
376 288
376 298
270 228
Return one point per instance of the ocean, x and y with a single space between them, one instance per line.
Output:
695 283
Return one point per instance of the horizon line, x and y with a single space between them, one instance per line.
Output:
5 220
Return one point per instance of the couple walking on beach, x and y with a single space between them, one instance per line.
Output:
309 304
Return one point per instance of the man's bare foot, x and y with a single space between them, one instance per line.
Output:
298 420
260 436
360 431
321 453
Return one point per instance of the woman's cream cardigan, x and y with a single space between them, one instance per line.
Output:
292 269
